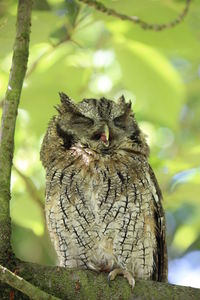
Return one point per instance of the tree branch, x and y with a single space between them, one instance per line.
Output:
24 286
134 19
10 106
83 284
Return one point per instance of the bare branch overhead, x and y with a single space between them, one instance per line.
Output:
135 19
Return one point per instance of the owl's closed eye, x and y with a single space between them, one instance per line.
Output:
101 125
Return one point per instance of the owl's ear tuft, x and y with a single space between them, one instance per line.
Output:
128 107
67 103
129 104
65 100
58 108
121 100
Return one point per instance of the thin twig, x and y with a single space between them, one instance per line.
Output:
31 188
135 19
23 286
36 62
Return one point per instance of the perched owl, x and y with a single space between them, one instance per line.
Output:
103 202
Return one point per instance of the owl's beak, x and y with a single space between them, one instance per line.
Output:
105 135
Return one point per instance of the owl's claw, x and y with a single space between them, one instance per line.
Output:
108 279
126 274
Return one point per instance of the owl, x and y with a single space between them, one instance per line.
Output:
103 203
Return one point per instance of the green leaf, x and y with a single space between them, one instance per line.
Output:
148 74
59 35
72 10
41 5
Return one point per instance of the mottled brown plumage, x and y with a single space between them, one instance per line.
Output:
103 203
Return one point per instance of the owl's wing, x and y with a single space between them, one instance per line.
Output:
160 258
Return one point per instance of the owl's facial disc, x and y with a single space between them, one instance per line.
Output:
103 126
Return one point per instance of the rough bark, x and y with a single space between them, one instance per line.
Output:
87 285
22 285
10 106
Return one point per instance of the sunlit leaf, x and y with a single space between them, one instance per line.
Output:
191 175
72 10
59 35
185 236
155 83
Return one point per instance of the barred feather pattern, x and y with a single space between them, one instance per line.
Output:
104 211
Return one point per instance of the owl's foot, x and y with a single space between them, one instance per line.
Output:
127 275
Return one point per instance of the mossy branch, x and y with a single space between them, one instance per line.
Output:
24 286
83 285
135 19
88 285
10 107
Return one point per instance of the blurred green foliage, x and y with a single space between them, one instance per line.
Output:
87 54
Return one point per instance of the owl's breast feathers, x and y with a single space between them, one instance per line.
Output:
106 157
109 208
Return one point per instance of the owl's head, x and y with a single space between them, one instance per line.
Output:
103 126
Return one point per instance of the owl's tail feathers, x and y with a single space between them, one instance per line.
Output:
112 275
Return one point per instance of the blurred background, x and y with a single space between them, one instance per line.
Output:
84 53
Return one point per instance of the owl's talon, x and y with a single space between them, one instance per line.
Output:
112 275
108 280
130 278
